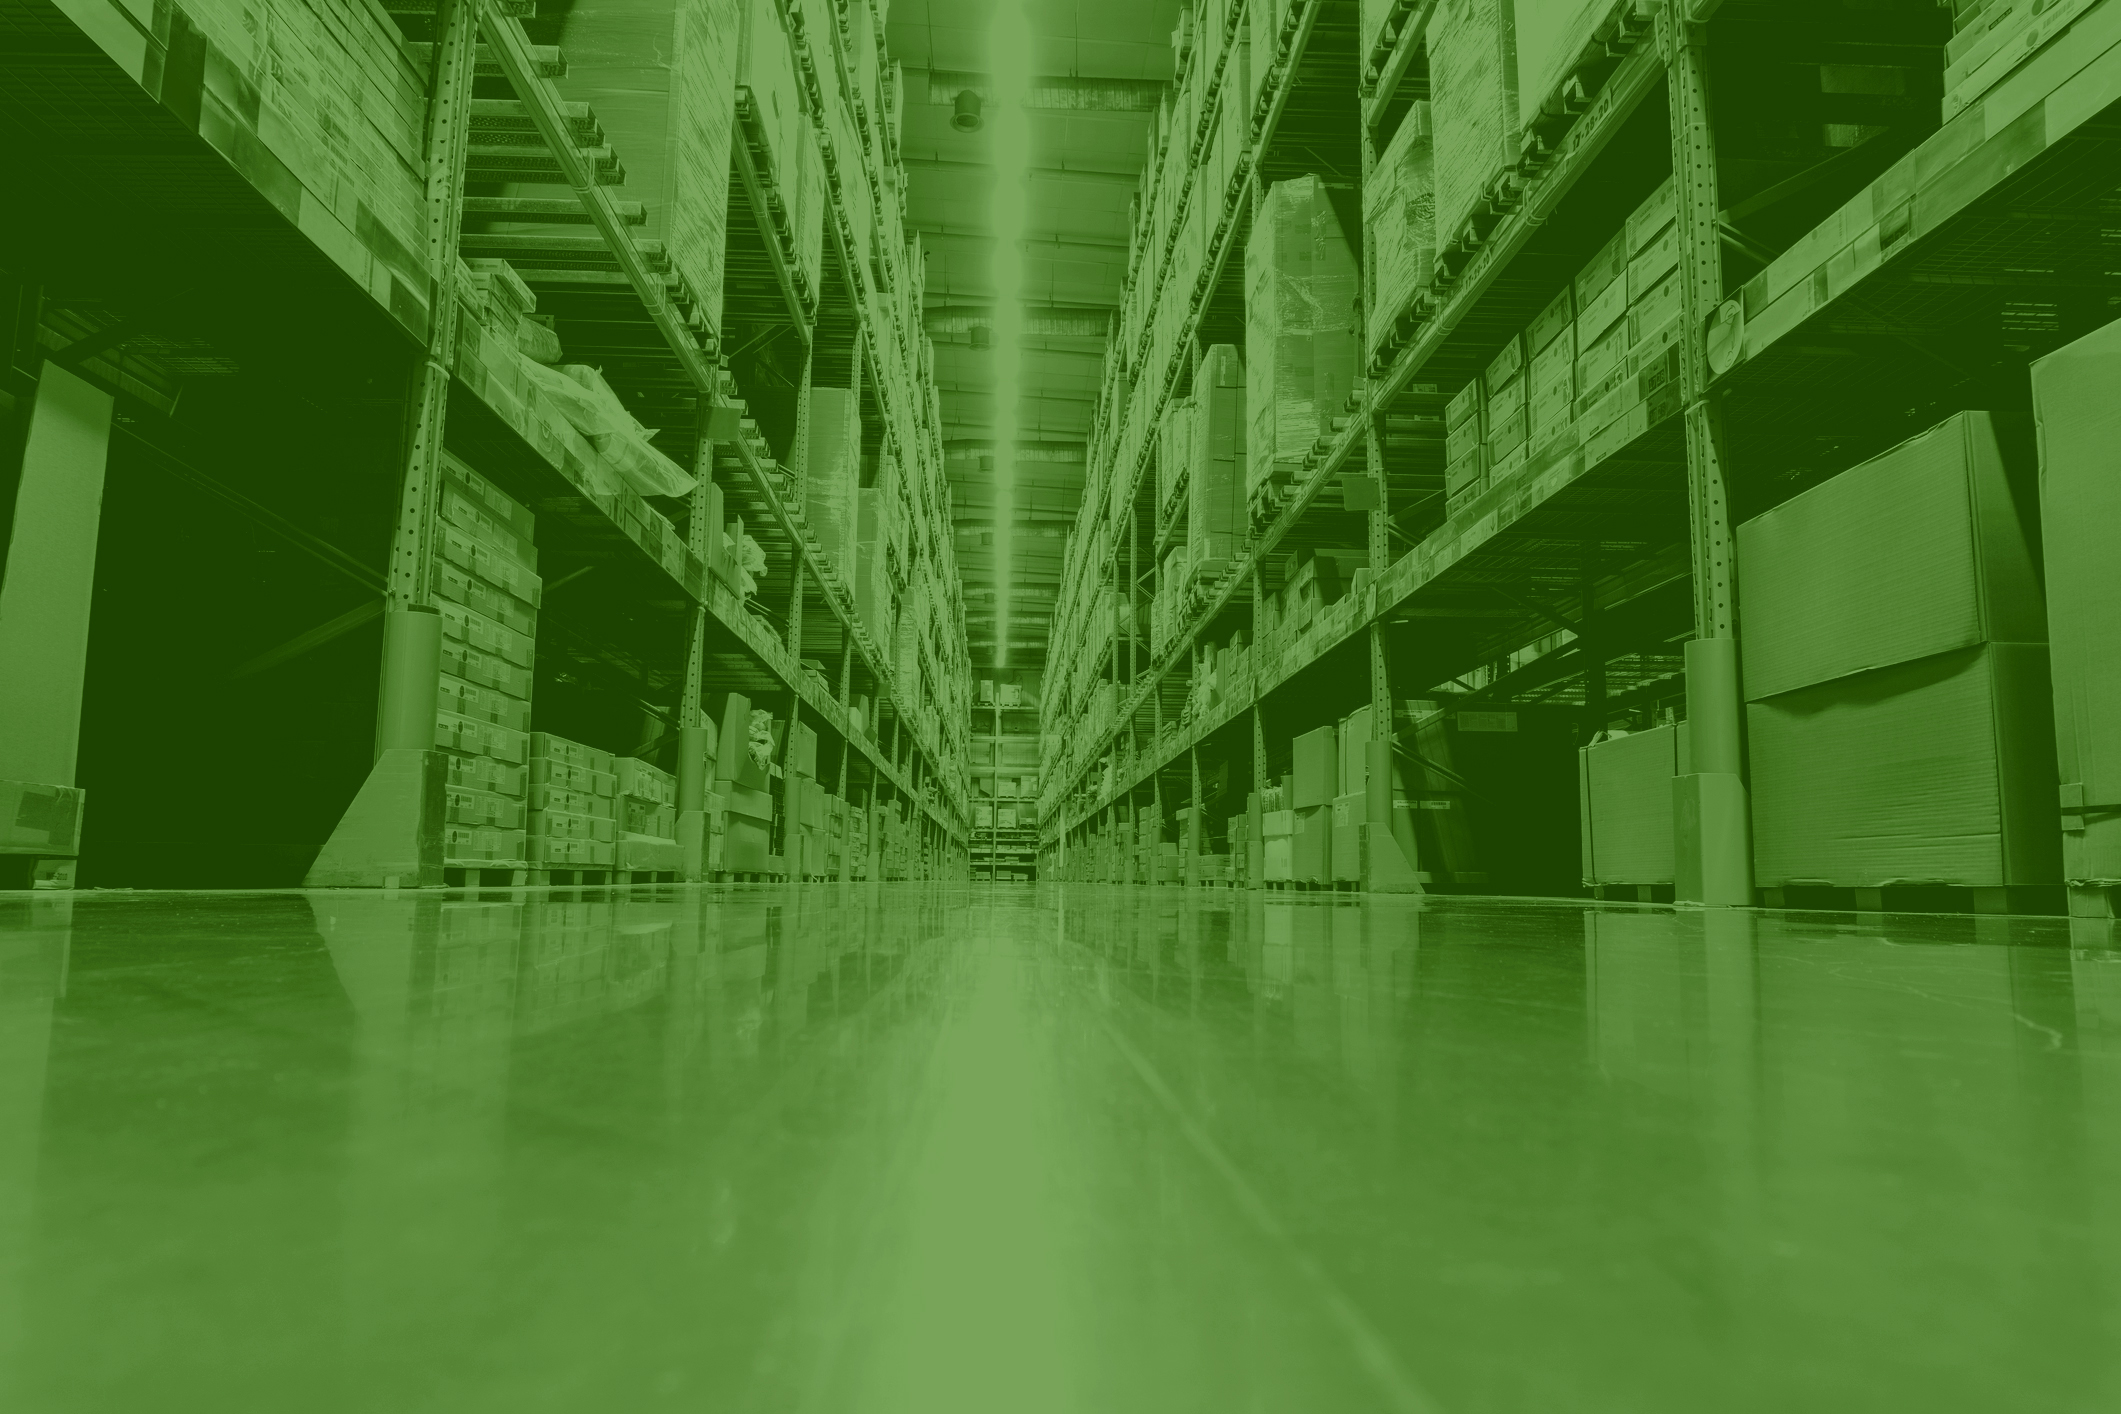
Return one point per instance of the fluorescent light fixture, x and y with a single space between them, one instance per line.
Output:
1010 65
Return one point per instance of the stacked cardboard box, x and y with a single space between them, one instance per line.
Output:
1465 445
743 782
486 581
832 476
1550 395
1399 208
1995 37
343 113
1216 515
1628 364
1174 453
1301 354
1473 90
1896 676
1313 780
2077 398
573 804
661 78
1508 409
875 595
1624 792
647 814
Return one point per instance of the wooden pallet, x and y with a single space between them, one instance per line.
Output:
518 876
1920 898
1632 893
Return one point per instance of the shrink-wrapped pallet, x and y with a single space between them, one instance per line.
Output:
1473 94
1300 342
1174 451
660 77
1399 207
832 474
1216 519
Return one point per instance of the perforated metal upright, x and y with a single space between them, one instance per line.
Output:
392 832
1711 817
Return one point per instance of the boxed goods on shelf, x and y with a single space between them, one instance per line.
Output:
2080 503
1936 771
1899 715
1216 519
1174 453
1473 91
1301 354
832 475
572 822
1920 550
1551 36
1399 209
331 93
1624 795
662 83
647 797
483 572
1995 38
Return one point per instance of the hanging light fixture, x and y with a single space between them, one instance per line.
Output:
966 118
1010 45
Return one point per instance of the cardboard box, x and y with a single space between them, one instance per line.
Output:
1311 845
1625 801
646 852
1551 322
1315 773
1916 552
1936 771
1349 816
2077 401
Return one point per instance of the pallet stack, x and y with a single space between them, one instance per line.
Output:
1301 352
487 588
647 818
1896 674
1599 365
1473 77
573 805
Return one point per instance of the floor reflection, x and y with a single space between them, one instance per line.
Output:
1078 1148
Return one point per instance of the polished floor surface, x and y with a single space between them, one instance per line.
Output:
948 1148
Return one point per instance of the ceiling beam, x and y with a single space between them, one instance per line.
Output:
1048 91
1098 176
1031 243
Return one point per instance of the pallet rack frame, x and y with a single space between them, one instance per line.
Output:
1960 171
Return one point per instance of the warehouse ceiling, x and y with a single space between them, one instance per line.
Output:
1099 67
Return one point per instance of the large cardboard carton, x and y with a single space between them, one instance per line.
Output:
1625 803
1936 771
1916 552
2077 401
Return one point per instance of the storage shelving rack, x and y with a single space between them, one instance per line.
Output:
1000 853
1835 301
245 254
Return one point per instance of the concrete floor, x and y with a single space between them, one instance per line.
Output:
953 1148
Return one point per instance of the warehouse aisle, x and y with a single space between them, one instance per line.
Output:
949 1148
